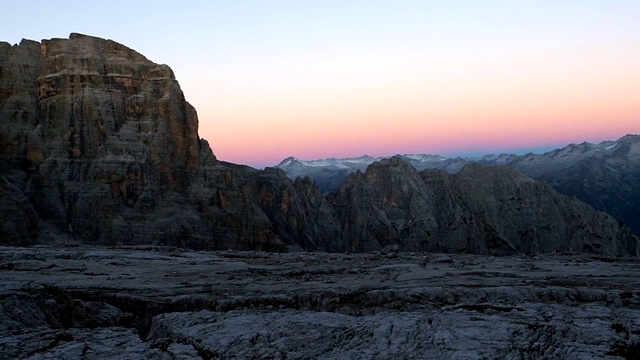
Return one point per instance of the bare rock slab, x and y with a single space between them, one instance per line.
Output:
161 302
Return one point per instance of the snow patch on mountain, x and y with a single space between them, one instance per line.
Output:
331 171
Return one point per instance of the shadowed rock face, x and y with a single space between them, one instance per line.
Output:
603 175
606 179
390 204
533 218
18 219
487 210
299 213
98 145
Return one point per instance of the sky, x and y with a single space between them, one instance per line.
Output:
321 79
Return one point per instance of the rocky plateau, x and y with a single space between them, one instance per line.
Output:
150 302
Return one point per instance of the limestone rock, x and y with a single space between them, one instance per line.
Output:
19 222
105 147
533 218
97 133
481 209
299 212
391 203
603 175
97 302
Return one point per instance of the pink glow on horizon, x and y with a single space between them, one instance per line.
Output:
478 91
475 128
273 79
444 142
503 105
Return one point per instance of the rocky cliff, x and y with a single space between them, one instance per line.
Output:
603 175
102 143
486 210
98 145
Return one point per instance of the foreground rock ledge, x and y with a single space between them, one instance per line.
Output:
158 302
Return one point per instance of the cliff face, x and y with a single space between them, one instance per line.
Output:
533 218
603 175
606 179
19 223
486 210
98 145
390 204
105 147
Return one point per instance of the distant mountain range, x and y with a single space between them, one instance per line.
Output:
605 175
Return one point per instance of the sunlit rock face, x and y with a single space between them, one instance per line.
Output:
105 147
96 132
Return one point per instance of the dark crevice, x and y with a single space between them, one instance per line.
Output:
57 340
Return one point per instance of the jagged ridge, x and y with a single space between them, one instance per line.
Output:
603 175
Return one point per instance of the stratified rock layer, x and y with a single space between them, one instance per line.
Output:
105 147
99 146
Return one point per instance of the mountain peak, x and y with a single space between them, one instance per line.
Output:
287 162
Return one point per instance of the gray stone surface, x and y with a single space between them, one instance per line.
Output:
159 302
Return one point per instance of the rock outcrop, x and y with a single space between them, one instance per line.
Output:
99 146
486 210
533 218
105 147
605 175
300 214
19 222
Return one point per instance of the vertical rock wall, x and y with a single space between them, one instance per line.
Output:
105 147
